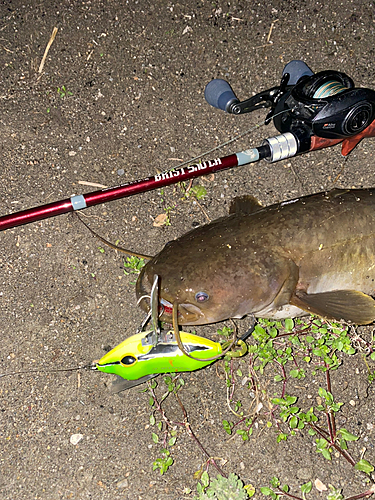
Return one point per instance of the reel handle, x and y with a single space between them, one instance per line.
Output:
219 94
296 69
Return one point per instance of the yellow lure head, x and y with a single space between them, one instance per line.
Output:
138 359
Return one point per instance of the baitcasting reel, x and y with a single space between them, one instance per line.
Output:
312 111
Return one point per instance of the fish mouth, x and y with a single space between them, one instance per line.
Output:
165 307
188 314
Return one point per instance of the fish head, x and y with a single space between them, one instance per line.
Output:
211 280
199 301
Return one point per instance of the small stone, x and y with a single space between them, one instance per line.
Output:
75 438
258 408
122 484
72 153
120 171
303 474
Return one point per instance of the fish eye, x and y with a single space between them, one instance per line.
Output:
201 296
128 360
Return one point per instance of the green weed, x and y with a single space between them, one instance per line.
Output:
223 488
63 92
133 265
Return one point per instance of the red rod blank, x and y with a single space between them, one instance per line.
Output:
134 187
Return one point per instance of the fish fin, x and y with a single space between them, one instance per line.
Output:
246 204
289 285
348 305
121 384
336 193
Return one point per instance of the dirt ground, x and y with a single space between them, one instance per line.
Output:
120 97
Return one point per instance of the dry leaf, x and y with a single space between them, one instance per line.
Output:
320 486
160 220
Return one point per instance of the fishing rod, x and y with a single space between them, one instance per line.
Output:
311 111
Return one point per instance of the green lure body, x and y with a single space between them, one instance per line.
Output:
138 357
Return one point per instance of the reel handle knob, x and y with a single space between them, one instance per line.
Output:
219 94
296 69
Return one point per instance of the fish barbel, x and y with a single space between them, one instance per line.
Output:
314 254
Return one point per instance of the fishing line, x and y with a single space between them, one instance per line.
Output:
146 257
235 138
250 330
191 160
53 370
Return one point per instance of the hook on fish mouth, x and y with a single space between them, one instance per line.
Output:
157 306
150 299
154 313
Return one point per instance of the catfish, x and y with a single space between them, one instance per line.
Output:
309 255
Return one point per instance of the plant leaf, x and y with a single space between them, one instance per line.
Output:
364 466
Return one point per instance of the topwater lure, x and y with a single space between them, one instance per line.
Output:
137 359
147 354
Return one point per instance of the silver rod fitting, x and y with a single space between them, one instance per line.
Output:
282 146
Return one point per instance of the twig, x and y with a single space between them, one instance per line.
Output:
8 50
284 377
331 416
324 434
203 210
50 42
289 494
367 493
92 184
185 424
341 171
330 429
211 459
181 406
270 32
231 388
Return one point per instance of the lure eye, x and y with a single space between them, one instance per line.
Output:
201 297
128 360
